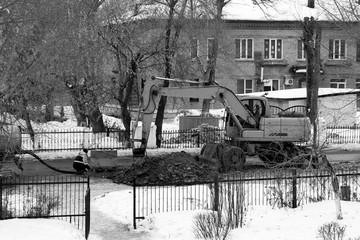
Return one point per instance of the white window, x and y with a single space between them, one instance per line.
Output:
194 48
337 83
244 86
301 54
244 48
272 48
337 49
271 85
210 47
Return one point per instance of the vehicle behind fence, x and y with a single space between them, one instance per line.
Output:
273 188
64 197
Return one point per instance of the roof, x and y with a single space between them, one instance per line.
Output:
280 10
300 93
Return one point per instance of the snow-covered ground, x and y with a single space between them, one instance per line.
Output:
261 222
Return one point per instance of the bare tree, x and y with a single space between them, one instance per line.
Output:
127 36
78 60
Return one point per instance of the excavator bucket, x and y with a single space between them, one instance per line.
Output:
226 157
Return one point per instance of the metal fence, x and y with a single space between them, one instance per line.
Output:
274 188
191 138
67 140
64 197
64 140
343 134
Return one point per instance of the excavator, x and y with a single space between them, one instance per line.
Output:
250 127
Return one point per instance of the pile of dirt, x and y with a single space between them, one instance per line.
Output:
173 168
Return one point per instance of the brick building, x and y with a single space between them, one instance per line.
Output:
260 55
269 55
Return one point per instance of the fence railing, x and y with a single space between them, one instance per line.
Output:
60 140
191 138
64 197
274 188
343 134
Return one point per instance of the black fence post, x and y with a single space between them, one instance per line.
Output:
1 188
87 213
216 192
198 140
294 189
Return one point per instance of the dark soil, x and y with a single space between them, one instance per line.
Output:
173 168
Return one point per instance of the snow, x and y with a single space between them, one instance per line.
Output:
282 10
300 93
261 222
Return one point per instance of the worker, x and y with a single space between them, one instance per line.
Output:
81 162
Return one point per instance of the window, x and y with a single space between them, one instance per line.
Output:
243 48
301 54
272 85
194 84
337 83
357 86
194 48
272 49
358 51
337 49
210 47
244 86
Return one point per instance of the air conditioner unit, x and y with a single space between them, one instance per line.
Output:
289 82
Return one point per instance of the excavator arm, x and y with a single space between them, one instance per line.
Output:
153 90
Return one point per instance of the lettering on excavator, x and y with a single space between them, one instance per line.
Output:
278 134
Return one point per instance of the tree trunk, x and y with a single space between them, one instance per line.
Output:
336 188
96 120
211 66
312 39
168 71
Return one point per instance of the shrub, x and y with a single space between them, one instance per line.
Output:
5 210
211 225
331 231
41 206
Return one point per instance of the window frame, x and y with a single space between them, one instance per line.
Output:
194 53
301 54
271 85
240 53
208 47
338 82
337 49
273 55
244 85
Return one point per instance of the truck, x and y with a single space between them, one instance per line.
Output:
250 126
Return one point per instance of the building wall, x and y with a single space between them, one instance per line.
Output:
338 110
229 69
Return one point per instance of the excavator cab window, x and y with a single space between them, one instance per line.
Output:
255 106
